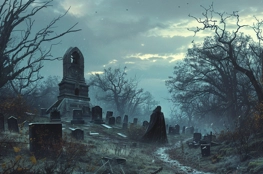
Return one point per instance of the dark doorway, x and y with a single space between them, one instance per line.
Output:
77 91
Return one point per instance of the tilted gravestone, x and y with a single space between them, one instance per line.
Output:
112 121
135 121
78 134
126 119
45 138
118 120
108 115
12 124
55 116
183 130
2 122
145 124
77 117
177 129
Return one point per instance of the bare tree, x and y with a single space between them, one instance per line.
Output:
227 37
122 92
21 51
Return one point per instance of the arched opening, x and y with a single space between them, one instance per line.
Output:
77 91
75 57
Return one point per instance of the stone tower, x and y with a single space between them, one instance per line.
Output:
73 91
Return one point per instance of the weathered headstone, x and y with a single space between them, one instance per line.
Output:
118 120
112 121
78 134
197 137
145 124
135 121
2 122
205 150
108 115
124 126
55 116
171 130
12 124
96 113
77 117
45 138
177 129
126 119
183 130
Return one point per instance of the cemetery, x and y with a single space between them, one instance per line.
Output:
73 136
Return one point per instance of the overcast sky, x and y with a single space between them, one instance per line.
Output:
147 36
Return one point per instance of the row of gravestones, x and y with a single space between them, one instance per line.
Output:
176 130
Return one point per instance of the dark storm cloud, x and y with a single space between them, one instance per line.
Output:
144 35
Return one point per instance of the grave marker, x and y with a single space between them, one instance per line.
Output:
12 124
108 115
177 129
126 119
78 134
112 121
96 113
2 122
45 138
135 121
118 120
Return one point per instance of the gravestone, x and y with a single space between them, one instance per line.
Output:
2 122
183 130
43 112
124 126
78 134
12 124
205 150
45 138
55 116
171 130
177 129
135 121
197 137
145 124
112 121
118 120
108 115
96 113
126 119
77 117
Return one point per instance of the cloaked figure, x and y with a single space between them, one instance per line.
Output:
156 131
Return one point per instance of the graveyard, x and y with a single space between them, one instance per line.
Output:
58 145
74 136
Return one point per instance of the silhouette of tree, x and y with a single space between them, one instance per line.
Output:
21 50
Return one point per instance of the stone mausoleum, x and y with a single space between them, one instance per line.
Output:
73 91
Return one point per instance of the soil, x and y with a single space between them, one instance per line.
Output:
97 151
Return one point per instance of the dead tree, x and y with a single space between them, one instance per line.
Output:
21 50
